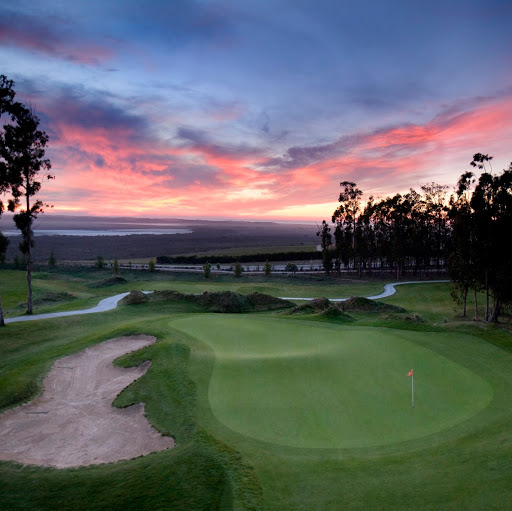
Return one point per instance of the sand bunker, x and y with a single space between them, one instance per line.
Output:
73 422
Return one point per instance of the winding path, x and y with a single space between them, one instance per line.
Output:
111 302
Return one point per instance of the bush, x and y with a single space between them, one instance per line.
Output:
100 262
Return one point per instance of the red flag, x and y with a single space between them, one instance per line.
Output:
409 373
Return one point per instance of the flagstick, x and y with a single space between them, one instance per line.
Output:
412 389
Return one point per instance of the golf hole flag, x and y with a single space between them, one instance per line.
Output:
411 373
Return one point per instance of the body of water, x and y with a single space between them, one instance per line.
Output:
101 232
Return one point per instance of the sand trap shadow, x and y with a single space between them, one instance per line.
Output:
73 422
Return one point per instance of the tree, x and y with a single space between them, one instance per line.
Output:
324 232
207 268
267 269
291 267
151 265
237 269
116 266
481 221
100 262
6 104
52 260
345 218
24 167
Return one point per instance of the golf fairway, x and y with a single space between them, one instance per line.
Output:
312 385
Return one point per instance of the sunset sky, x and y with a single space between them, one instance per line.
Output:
258 108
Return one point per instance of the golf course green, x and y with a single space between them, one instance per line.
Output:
275 410
305 384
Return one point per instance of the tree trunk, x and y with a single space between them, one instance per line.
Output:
464 301
29 255
496 310
2 322
486 296
476 307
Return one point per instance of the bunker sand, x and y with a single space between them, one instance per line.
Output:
73 423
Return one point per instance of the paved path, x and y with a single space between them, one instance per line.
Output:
110 303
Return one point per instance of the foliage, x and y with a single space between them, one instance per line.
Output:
242 258
100 262
267 269
291 267
481 218
116 266
237 269
23 167
207 269
151 265
52 260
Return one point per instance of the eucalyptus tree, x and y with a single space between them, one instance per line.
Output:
324 232
345 217
7 95
24 168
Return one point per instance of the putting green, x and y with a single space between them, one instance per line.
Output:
305 384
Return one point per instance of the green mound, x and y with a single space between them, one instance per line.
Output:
225 301
335 313
53 296
262 301
112 281
134 297
312 307
170 295
317 385
360 304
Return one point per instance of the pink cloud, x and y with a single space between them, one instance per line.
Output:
117 169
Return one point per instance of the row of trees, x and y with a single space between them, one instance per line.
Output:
465 233
403 232
23 167
480 256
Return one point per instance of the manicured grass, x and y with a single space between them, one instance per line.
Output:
209 370
331 386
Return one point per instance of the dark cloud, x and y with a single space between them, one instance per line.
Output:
303 156
180 174
88 109
48 36
200 140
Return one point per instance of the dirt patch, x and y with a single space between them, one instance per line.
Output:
73 422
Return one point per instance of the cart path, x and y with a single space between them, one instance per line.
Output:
73 423
110 303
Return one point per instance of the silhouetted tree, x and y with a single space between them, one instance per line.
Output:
325 242
24 166
6 105
345 218
237 269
